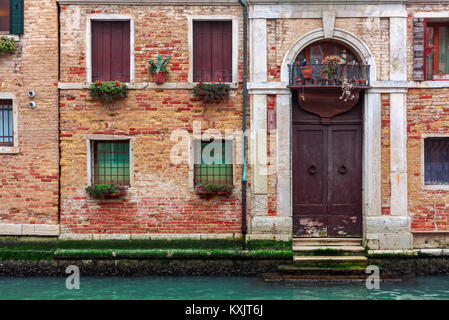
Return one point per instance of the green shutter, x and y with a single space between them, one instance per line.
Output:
16 16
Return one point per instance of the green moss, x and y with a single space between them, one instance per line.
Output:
170 254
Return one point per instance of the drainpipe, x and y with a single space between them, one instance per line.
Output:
245 102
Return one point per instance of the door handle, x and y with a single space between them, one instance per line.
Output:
312 170
342 169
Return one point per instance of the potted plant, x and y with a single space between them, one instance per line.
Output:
101 191
211 92
331 63
210 189
7 45
158 70
107 91
307 72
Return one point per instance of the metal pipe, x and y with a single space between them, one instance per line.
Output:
245 102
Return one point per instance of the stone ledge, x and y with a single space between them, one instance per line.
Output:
149 236
387 224
141 86
7 229
271 225
411 252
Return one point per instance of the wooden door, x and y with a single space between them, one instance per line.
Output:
327 180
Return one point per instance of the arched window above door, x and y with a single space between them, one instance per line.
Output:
316 52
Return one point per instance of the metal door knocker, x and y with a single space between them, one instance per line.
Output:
312 169
342 170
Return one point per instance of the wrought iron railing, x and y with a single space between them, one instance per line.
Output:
329 75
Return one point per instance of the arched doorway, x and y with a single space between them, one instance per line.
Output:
326 141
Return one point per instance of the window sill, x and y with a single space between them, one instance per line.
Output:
14 37
435 187
9 150
142 85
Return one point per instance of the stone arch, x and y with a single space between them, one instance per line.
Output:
347 38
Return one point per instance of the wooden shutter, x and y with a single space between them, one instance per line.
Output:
419 27
212 51
110 50
16 16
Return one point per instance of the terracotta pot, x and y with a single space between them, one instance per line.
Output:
307 72
115 195
159 78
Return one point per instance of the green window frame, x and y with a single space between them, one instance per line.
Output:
111 162
213 162
11 16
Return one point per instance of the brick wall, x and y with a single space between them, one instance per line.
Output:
428 113
160 201
29 179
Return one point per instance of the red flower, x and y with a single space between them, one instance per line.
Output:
98 82
200 84
116 84
212 82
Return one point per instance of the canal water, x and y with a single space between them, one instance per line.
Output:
214 288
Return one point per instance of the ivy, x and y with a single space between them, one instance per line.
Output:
107 91
7 45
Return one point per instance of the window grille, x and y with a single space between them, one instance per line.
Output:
110 162
6 123
436 160
213 162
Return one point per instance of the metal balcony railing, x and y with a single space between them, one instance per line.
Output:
323 75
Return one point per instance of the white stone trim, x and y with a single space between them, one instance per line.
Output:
313 9
149 236
138 86
109 137
431 14
10 229
398 154
424 186
412 252
108 17
15 124
151 2
398 45
235 42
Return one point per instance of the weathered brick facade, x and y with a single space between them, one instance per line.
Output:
161 199
29 172
399 211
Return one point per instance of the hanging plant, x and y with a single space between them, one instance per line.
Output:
211 189
101 191
107 91
158 70
7 45
347 91
211 92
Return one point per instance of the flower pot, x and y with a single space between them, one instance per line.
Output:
114 195
307 72
159 78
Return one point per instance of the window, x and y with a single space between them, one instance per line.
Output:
110 162
213 162
436 161
11 16
316 52
4 15
212 51
111 50
6 123
436 49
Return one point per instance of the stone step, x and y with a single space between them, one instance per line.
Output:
323 277
298 270
328 250
330 261
327 241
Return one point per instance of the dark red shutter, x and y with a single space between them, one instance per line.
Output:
110 50
419 28
212 51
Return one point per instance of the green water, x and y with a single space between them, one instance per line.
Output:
212 288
